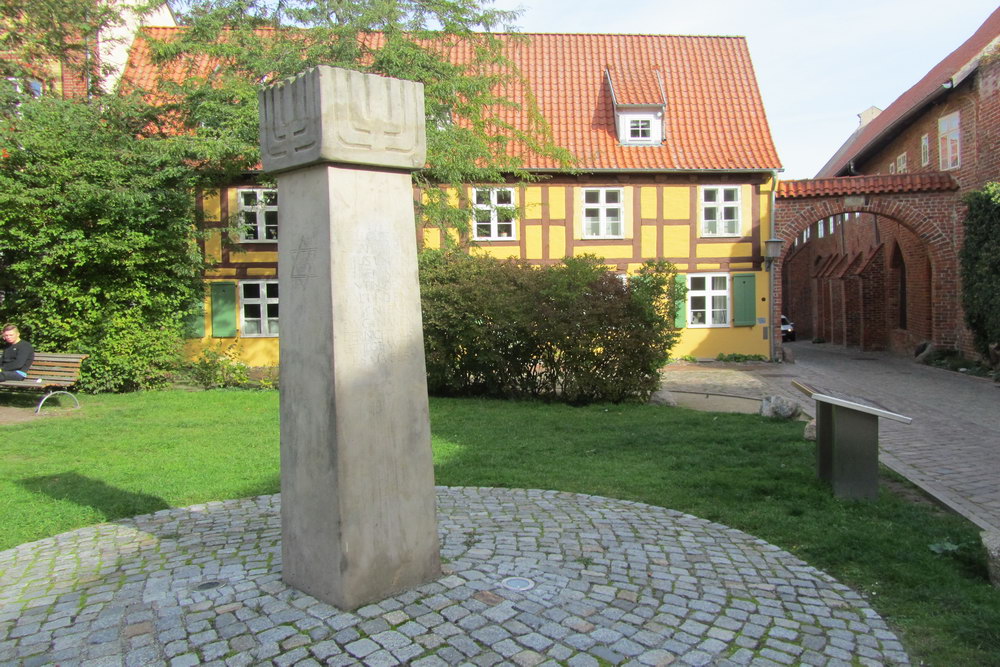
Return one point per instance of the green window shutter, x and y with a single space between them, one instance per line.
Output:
744 300
680 316
223 310
194 323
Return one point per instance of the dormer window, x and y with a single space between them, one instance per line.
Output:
640 130
639 104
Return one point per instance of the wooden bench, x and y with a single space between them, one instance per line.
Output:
51 373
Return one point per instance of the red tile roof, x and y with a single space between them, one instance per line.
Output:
714 116
951 70
859 185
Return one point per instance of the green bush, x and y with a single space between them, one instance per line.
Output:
126 356
980 266
572 332
737 357
216 367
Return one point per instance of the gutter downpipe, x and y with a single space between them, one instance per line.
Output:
770 274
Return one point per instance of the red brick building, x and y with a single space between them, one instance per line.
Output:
872 243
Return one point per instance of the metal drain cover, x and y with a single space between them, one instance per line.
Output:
208 585
517 584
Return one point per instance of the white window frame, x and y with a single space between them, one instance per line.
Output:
731 227
261 217
950 141
710 292
892 168
901 163
603 219
651 121
266 323
925 150
491 211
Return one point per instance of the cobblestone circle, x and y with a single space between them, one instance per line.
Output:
610 580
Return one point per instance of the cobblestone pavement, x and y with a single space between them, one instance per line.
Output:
952 448
612 581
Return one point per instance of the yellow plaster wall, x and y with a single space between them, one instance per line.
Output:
709 343
648 242
677 203
256 256
724 249
533 241
677 241
557 203
557 242
533 202
647 202
500 252
605 251
432 237
253 351
211 205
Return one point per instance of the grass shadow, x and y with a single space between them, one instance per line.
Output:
111 502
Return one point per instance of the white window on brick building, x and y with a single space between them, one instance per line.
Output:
925 150
258 212
949 141
901 163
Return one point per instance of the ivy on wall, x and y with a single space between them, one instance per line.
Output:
980 266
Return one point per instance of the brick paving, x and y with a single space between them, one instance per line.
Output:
951 449
610 582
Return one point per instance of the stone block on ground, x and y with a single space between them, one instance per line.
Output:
991 540
663 397
809 432
778 407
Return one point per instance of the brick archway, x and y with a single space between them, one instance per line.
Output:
838 280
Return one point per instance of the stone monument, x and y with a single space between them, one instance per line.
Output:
357 481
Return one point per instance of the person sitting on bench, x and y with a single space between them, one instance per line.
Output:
17 355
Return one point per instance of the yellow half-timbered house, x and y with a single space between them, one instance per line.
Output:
674 161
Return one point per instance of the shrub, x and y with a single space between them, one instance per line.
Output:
573 332
125 355
217 367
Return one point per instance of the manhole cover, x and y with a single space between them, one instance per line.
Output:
208 585
517 584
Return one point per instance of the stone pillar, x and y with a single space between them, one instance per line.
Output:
357 482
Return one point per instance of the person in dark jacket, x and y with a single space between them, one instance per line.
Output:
17 354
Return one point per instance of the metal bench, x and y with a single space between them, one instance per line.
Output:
51 373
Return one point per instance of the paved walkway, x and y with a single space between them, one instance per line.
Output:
952 448
531 577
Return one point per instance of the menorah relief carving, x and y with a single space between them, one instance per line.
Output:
328 114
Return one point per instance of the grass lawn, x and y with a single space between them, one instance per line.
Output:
132 454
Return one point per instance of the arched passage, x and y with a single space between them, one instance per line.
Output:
871 261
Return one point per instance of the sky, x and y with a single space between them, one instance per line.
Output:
819 63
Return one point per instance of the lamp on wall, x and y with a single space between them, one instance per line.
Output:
772 251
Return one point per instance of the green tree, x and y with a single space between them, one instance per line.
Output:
980 261
98 249
444 44
35 35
